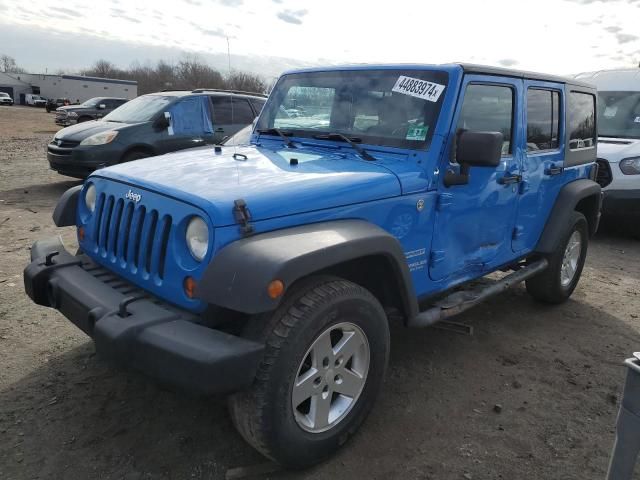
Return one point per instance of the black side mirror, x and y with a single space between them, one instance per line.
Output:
162 122
474 149
479 149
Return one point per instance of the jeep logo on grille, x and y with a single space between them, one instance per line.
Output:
134 197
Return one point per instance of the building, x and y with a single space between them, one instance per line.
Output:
76 88
15 88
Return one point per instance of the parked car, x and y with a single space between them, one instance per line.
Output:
54 103
619 142
35 100
271 271
5 99
92 109
151 125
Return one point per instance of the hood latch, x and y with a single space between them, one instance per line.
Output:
243 216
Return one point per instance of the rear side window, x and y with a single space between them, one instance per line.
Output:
488 108
581 120
242 113
543 107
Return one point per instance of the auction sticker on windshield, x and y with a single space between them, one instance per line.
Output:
418 88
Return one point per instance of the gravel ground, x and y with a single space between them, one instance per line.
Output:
555 372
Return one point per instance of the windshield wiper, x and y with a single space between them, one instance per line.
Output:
285 135
350 140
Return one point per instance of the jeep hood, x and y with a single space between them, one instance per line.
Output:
265 180
615 149
80 131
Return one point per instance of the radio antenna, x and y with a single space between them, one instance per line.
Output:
235 149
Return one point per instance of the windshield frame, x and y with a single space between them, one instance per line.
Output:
431 111
603 120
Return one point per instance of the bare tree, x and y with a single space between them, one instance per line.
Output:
245 81
8 64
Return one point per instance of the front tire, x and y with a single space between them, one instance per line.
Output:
327 348
559 280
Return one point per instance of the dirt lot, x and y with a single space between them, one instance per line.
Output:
556 372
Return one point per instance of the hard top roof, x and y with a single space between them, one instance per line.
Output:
209 91
466 67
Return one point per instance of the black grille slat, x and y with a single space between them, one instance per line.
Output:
114 228
129 235
604 176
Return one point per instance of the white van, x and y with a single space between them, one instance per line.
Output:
618 140
34 100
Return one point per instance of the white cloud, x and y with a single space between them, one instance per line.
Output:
555 36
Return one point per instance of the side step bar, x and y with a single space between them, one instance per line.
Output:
462 300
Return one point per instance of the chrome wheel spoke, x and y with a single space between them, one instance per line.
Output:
322 350
305 387
320 409
349 383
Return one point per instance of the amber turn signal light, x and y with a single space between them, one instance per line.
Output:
275 289
189 287
81 233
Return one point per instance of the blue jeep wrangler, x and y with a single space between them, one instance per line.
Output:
270 271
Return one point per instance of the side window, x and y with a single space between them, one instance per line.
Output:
257 105
488 108
543 108
221 110
581 120
242 113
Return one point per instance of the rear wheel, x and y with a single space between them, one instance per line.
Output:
327 348
560 279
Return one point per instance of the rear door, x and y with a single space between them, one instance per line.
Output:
542 165
473 223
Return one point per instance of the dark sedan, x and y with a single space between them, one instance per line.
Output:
151 125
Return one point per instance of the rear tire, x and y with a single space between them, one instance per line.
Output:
559 280
328 338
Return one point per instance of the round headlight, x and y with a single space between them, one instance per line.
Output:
90 198
197 238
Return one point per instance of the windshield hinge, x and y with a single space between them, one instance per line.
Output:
243 216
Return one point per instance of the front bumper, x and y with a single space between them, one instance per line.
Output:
80 161
132 328
65 121
621 203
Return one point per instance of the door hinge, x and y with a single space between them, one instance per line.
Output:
243 216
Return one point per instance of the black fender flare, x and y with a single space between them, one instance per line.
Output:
568 200
64 215
238 276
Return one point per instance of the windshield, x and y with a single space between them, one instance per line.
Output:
141 109
2 94
380 107
619 114
92 102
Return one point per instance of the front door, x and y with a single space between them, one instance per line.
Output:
190 120
474 221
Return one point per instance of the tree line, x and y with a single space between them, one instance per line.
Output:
187 74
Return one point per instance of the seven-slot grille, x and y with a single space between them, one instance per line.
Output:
603 176
131 236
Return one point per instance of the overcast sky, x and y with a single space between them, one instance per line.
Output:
555 36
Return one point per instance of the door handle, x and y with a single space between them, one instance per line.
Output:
221 130
510 179
553 170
